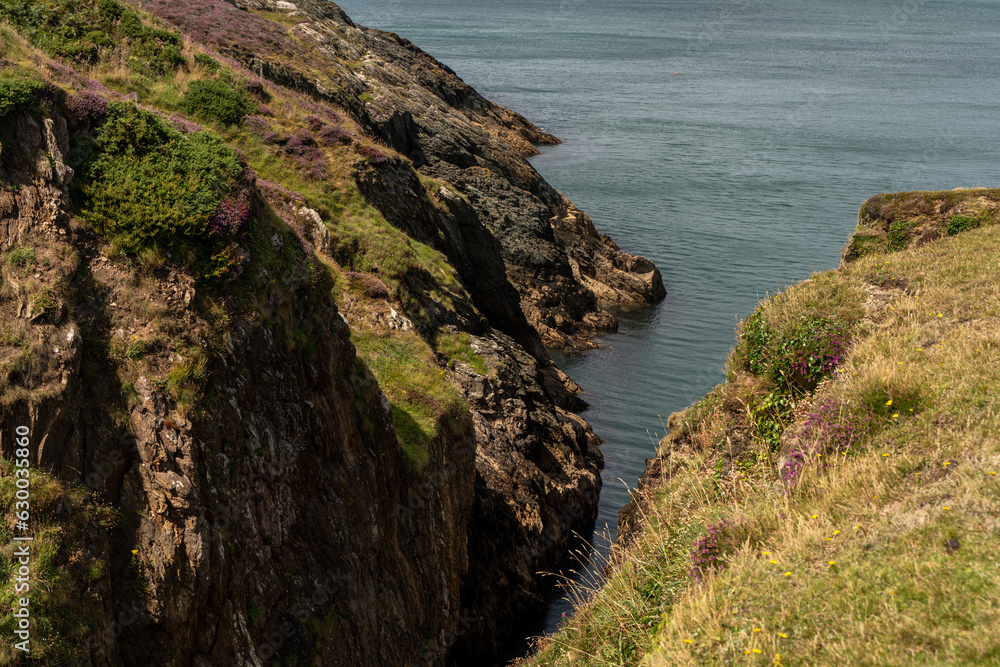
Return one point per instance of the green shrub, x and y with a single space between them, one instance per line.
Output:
796 358
184 380
83 30
960 223
17 94
43 301
771 414
756 335
208 62
810 352
216 101
899 234
146 187
22 256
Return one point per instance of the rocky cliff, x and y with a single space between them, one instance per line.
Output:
284 372
561 266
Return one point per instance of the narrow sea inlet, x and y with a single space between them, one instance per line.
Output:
730 142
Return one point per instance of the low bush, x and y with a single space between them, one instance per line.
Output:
86 30
18 94
216 101
712 550
799 357
304 151
832 428
210 64
810 352
960 223
771 413
147 186
899 234
88 108
369 284
334 135
375 156
22 256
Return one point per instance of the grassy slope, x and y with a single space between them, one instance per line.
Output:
881 552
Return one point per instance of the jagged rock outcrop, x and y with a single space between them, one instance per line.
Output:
537 483
562 268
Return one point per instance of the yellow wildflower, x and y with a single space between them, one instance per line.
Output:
688 641
783 635
788 574
836 532
756 650
756 629
832 562
773 562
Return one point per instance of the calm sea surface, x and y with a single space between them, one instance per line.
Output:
730 142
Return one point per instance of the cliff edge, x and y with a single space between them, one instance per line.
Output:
834 501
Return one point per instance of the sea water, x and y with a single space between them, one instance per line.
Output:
731 142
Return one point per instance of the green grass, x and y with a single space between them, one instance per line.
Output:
422 399
22 257
457 347
883 556
68 553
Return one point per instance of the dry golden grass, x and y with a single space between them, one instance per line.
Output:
885 557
